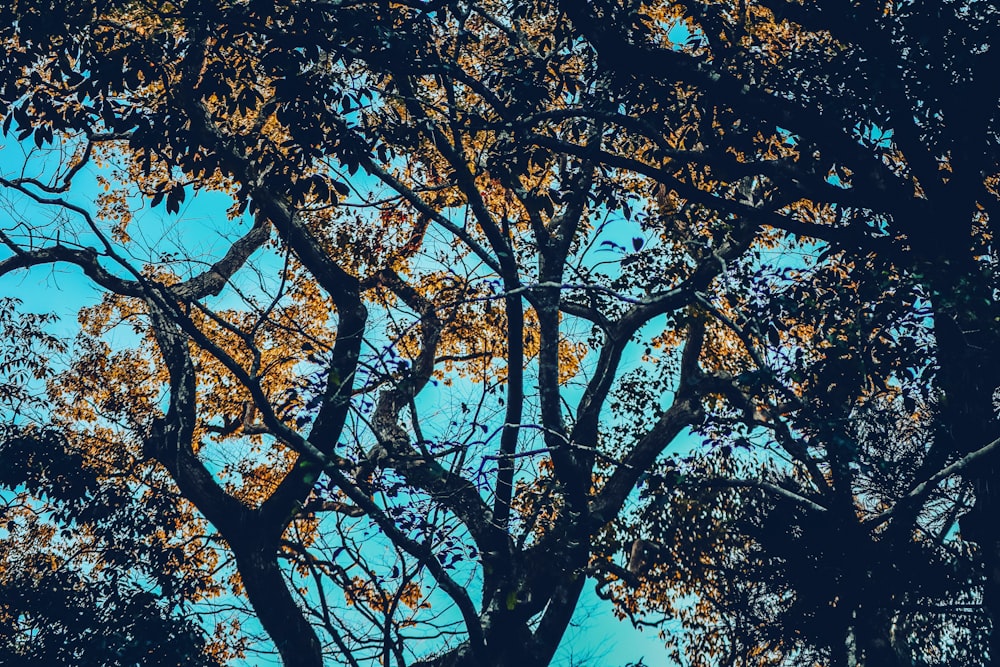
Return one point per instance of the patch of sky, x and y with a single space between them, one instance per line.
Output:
186 243
871 134
682 38
27 222
596 637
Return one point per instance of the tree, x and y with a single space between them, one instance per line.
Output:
859 129
79 561
484 263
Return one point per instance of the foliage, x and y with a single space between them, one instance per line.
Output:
87 574
417 316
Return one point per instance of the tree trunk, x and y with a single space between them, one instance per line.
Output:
277 610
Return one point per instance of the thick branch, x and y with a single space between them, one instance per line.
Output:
685 411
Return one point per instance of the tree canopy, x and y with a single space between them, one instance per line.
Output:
417 318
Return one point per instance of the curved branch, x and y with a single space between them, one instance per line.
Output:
685 411
918 494
424 472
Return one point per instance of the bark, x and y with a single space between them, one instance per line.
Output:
252 535
279 614
510 642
